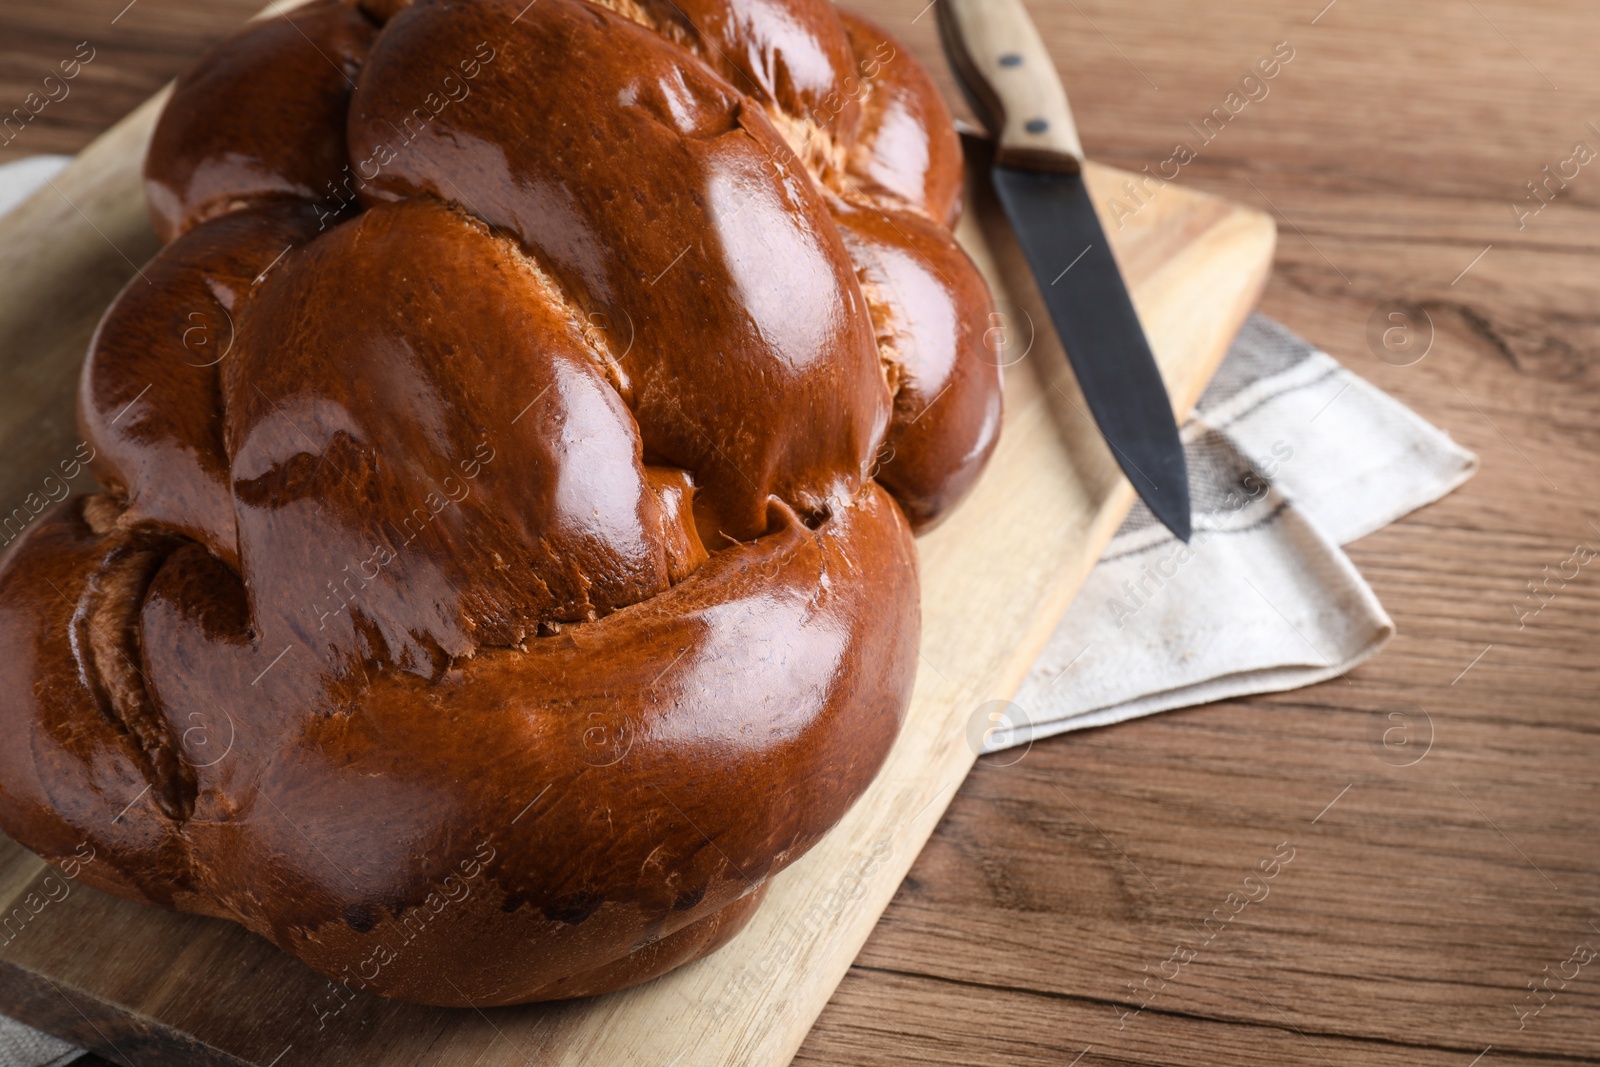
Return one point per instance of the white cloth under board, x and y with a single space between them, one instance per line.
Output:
1290 456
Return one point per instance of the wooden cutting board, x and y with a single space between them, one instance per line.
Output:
143 986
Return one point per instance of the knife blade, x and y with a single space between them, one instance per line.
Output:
1006 73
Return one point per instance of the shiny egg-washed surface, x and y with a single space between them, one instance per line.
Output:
511 462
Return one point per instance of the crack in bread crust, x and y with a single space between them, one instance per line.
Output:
106 628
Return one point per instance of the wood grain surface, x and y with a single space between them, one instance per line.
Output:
1423 901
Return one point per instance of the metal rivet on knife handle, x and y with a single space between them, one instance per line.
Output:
1007 75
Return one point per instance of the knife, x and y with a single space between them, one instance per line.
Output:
1005 72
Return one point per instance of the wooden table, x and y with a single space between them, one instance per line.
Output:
1424 900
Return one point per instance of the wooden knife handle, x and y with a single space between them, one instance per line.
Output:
1003 68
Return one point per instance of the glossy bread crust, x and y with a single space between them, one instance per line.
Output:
511 461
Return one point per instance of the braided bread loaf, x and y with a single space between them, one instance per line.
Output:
511 459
